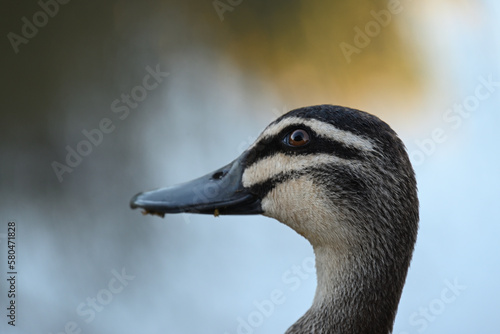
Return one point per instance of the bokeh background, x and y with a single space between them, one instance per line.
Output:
428 68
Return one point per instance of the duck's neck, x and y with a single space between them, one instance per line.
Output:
356 293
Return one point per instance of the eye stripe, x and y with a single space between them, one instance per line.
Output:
322 129
272 166
351 188
269 146
266 186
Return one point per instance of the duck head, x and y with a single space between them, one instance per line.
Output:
326 171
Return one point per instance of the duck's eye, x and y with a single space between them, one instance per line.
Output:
297 138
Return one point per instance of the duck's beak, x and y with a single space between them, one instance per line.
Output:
219 192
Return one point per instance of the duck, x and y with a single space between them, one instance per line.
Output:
342 179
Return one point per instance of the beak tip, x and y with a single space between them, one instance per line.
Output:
135 202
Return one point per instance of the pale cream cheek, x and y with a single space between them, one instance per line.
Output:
303 206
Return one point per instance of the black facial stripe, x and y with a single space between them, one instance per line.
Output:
347 184
317 145
262 188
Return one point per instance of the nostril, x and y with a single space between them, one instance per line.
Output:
219 175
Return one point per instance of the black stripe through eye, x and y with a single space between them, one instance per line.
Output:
316 145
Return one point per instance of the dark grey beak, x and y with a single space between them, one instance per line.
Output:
219 192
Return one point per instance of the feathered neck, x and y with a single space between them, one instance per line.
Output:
356 293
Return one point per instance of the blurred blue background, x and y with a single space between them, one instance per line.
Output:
89 264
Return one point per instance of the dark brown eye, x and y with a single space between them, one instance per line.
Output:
297 138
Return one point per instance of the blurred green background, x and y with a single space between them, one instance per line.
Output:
429 69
